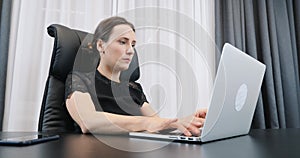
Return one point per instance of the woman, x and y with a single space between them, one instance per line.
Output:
124 107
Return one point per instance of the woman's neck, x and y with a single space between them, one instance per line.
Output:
109 73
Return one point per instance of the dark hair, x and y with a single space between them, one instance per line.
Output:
104 28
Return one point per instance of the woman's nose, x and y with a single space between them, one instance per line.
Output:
130 50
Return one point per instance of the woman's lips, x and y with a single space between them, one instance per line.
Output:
127 60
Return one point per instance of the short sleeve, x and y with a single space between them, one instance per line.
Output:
137 93
143 96
76 82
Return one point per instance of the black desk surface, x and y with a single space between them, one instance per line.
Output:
258 144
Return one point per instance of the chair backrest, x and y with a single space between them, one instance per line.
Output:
67 43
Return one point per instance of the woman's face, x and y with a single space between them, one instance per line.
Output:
118 50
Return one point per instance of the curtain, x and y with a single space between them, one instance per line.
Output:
175 47
268 30
5 10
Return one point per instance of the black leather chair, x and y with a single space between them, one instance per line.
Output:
68 43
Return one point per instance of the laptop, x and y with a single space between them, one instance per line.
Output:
233 101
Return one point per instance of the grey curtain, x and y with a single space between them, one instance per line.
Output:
268 30
5 12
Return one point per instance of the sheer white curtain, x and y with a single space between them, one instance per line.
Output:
175 46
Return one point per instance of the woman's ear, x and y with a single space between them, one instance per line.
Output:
100 47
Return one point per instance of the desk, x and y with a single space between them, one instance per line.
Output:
258 144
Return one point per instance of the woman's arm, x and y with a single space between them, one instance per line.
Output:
82 110
147 110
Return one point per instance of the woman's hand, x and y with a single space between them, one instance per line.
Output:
190 125
155 124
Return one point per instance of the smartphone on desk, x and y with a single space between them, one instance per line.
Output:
28 139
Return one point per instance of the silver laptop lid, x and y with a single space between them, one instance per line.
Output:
235 94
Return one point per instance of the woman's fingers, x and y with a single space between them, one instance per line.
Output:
194 130
190 125
188 130
193 121
201 113
198 122
184 130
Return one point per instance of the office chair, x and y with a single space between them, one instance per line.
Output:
69 43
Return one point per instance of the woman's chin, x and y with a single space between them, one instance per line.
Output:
123 67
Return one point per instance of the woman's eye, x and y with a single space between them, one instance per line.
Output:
132 45
122 42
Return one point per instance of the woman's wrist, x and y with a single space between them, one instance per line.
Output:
146 123
155 124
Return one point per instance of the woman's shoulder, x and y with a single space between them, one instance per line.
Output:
77 77
81 75
78 81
